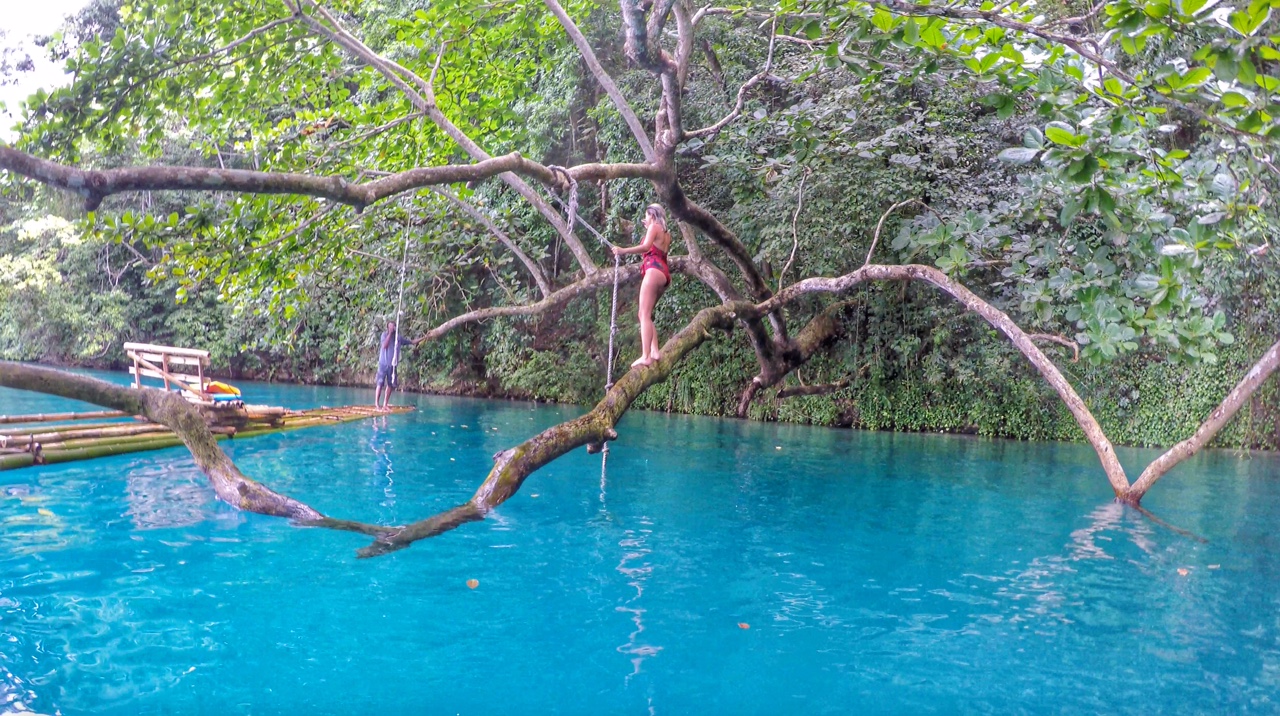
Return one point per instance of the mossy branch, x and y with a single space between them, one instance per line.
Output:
170 410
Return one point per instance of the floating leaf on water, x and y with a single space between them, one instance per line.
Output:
473 583
743 625
45 512
1182 571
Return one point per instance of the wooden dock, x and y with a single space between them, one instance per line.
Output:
27 440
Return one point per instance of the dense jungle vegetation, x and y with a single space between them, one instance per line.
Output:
804 177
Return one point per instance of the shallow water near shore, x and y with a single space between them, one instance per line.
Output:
720 566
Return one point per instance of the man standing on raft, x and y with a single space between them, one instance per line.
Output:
655 277
388 359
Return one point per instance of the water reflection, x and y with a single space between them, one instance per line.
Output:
380 444
15 697
636 568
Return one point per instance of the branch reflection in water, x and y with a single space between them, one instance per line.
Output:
636 568
381 447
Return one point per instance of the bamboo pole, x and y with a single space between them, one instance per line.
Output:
64 435
13 462
67 446
56 456
27 430
59 417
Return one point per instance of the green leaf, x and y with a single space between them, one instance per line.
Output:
1196 77
1064 134
1247 21
1234 99
1033 138
1081 170
1018 155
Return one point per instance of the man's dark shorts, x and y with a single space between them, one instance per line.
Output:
384 377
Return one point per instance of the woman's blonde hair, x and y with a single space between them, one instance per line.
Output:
658 214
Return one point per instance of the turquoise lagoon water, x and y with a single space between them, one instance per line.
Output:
877 573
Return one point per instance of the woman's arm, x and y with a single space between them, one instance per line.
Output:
649 237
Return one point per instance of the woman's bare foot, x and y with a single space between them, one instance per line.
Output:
640 362
655 357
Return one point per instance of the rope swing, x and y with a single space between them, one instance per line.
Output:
395 338
571 217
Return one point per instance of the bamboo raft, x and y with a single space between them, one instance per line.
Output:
25 440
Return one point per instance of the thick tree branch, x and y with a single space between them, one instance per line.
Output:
638 44
534 269
687 210
421 93
816 335
1217 419
512 466
170 410
685 43
96 185
604 79
997 318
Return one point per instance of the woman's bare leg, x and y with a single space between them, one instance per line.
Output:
651 288
655 346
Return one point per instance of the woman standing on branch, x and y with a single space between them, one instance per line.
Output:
655 277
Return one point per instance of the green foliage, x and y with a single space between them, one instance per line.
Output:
1092 203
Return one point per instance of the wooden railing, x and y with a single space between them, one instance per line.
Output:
177 367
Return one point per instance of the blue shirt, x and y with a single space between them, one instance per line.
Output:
387 356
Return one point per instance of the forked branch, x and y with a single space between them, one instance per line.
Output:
513 466
1217 419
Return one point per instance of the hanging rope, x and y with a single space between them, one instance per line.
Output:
613 324
395 338
571 218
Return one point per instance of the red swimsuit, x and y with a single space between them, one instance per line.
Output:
656 258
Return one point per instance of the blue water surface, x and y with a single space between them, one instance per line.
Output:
720 567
